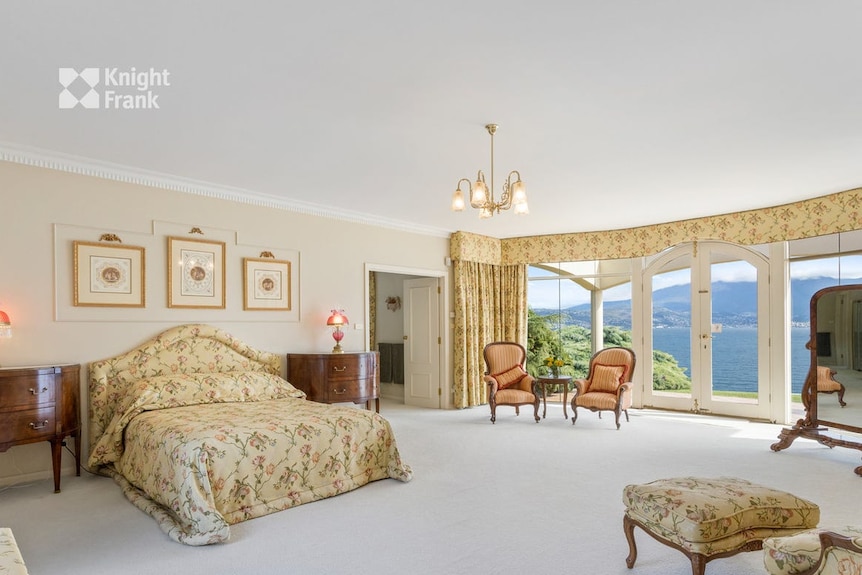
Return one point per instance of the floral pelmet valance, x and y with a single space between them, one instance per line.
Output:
839 212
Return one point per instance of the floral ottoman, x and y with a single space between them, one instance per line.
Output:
708 518
815 551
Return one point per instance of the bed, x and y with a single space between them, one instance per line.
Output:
202 432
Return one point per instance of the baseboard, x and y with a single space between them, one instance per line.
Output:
24 478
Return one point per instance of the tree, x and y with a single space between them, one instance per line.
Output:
667 375
573 344
541 342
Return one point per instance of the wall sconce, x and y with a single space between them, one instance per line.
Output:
5 325
337 319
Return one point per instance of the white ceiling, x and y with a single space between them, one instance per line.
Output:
617 113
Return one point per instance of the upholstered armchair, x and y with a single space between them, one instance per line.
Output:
507 379
608 384
826 383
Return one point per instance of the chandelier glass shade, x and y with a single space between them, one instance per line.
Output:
482 196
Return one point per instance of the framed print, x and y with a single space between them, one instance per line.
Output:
195 273
266 284
108 275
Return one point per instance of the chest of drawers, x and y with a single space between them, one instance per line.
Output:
336 377
41 404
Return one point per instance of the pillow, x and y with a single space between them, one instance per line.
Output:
607 378
509 377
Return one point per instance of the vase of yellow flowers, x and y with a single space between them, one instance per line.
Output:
554 364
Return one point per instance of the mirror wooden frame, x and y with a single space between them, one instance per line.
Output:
811 426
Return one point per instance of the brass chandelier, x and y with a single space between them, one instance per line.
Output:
482 197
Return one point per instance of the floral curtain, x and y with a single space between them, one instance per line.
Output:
838 212
490 305
372 311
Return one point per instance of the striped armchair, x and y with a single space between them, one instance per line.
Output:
507 379
607 386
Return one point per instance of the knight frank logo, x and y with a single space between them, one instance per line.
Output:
90 79
112 88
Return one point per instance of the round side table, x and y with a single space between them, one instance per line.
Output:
562 380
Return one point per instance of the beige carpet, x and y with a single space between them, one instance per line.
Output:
515 497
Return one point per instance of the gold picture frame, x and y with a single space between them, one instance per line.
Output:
265 284
196 273
106 275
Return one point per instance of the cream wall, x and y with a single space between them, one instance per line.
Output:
34 201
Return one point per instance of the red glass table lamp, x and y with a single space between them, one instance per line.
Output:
5 325
337 319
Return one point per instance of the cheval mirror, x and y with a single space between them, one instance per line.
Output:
832 393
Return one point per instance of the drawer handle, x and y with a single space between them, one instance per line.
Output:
35 392
337 392
336 368
37 425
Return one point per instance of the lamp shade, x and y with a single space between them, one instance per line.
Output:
337 318
519 193
5 325
458 204
479 194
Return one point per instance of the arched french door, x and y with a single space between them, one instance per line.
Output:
706 304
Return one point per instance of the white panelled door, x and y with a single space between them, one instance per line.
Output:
422 387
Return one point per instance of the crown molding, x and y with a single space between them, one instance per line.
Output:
53 160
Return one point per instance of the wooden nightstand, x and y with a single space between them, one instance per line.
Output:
41 404
336 377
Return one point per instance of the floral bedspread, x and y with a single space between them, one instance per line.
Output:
200 452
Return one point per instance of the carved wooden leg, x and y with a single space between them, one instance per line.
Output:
841 396
78 452
574 413
56 456
493 410
617 416
629 529
626 411
698 564
536 408
785 438
517 410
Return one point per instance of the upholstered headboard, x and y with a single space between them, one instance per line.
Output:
193 348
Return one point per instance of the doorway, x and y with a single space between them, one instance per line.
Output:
706 305
407 309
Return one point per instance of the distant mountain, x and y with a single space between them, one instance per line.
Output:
734 304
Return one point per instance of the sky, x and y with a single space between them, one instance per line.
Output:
551 293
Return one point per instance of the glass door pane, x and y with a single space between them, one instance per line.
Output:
670 333
734 335
733 330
